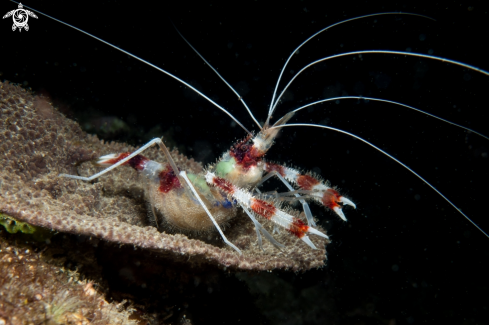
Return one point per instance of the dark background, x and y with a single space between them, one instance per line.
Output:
405 254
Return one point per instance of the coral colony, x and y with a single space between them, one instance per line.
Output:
40 143
33 291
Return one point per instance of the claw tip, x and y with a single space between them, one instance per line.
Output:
339 212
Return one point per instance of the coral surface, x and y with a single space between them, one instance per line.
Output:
37 143
33 291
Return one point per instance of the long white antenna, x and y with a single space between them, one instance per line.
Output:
272 104
390 102
145 62
432 57
391 157
235 92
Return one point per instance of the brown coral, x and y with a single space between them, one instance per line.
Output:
38 143
34 291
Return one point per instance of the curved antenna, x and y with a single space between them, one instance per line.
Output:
468 66
322 30
385 101
145 62
235 92
391 157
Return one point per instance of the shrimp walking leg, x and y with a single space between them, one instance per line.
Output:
265 209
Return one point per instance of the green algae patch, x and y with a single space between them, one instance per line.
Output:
14 226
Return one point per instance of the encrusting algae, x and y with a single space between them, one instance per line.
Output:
38 143
14 226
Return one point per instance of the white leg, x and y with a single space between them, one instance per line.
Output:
192 188
154 215
135 153
258 228
108 169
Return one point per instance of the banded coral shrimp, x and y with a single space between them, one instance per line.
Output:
370 236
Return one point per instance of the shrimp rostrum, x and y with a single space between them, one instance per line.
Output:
207 200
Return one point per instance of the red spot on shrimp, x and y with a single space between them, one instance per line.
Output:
298 228
263 208
168 180
224 185
331 198
116 159
307 182
245 154
137 162
275 167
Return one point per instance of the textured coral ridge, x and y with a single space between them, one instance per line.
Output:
37 143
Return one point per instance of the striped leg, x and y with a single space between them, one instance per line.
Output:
265 209
167 176
259 229
312 187
120 162
305 205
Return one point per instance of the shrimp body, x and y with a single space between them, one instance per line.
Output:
209 198
167 195
242 168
